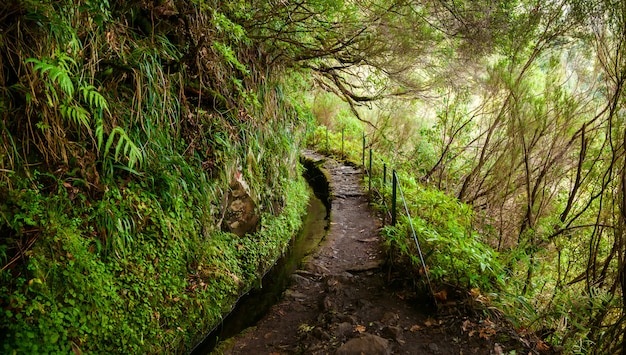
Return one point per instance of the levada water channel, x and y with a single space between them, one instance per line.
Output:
251 307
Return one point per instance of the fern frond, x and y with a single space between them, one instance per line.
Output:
64 80
42 66
124 145
76 113
94 98
60 74
99 132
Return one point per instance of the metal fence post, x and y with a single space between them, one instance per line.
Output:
363 151
393 198
369 172
384 176
382 192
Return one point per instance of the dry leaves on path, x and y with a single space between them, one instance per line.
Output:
359 329
416 328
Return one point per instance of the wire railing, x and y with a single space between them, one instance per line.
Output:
417 244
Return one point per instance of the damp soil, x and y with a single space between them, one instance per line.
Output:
344 299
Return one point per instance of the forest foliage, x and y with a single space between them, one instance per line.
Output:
515 113
123 124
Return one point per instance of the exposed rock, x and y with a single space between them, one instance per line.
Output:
321 334
367 266
317 269
295 295
343 329
365 344
390 318
349 318
332 310
392 332
240 215
300 280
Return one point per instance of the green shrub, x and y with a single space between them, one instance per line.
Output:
453 251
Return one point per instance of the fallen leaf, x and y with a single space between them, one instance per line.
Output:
431 322
441 295
486 333
467 325
359 329
416 328
305 328
497 349
481 299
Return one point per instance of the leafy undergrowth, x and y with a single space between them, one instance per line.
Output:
166 283
465 278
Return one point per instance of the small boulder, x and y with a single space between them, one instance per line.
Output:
240 215
316 269
393 332
365 344
343 330
390 318
300 280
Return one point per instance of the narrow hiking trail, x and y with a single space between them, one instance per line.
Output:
341 300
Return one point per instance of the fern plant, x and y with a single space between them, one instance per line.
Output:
95 100
124 147
58 73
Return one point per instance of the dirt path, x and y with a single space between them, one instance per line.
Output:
340 302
